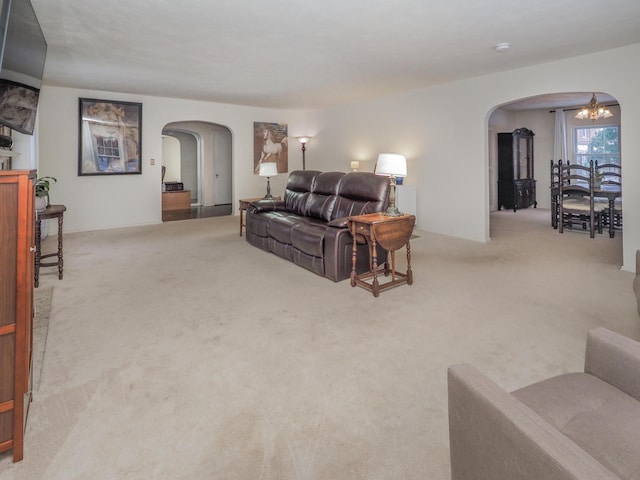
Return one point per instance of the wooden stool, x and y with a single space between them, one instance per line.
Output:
52 211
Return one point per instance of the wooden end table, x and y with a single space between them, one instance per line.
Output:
244 204
391 233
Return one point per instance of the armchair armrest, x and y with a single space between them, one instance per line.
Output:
614 359
267 205
494 436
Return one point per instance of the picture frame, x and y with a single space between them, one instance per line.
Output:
110 137
270 144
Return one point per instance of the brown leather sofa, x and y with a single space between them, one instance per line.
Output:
309 225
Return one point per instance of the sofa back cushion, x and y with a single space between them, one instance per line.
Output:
360 193
323 196
299 186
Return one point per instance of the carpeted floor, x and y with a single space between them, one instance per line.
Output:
42 299
178 351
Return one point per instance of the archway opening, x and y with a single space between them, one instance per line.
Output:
581 137
197 170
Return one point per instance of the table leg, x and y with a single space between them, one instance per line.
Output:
376 285
393 264
409 271
60 257
240 218
354 251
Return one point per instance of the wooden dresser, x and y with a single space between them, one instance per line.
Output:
17 250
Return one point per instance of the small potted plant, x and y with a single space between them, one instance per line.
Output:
43 185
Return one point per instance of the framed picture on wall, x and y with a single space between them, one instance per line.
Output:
110 137
270 144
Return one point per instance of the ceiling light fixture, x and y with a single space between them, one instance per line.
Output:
593 111
503 47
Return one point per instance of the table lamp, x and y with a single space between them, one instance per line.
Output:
392 165
268 169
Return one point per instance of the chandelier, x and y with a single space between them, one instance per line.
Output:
594 111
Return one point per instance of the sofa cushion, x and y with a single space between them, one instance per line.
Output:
360 193
322 198
299 186
281 226
309 238
598 417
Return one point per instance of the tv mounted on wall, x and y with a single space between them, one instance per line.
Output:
23 49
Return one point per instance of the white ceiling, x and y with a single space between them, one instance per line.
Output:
301 53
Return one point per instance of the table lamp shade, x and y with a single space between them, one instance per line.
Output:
268 169
392 165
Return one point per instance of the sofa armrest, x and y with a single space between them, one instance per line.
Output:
494 436
614 359
342 222
267 205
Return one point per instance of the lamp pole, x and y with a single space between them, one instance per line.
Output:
304 149
303 141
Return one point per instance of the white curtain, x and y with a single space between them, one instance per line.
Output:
560 140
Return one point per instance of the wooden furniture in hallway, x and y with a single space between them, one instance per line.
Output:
391 233
17 249
178 200
51 212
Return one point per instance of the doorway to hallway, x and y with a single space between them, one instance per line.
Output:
197 166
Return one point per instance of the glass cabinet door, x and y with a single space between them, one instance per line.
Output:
523 156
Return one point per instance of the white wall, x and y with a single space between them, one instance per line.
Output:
100 202
171 158
443 131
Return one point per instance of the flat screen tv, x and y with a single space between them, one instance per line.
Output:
22 56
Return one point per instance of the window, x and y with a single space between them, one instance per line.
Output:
600 144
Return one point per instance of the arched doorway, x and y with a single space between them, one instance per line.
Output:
538 114
197 157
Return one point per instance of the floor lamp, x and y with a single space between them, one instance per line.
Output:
303 141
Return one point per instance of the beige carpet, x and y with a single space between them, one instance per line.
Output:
178 351
42 299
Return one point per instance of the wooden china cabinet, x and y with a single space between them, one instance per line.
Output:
516 185
17 249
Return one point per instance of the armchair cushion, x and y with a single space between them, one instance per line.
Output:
596 416
572 426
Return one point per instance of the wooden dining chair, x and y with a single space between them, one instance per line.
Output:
576 199
610 174
554 170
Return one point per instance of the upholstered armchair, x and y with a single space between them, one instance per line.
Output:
572 426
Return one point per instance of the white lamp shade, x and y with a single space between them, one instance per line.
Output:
391 165
268 169
303 140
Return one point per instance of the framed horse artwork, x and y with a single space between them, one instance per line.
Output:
270 144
